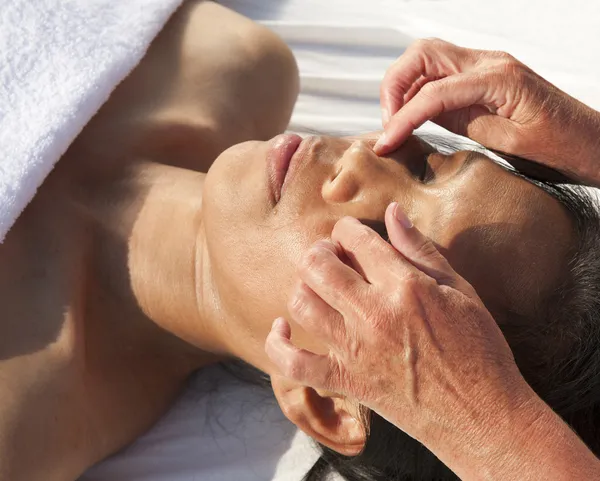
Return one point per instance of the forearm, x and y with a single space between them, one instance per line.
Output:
576 143
525 441
590 163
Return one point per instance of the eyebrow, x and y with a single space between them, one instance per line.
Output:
535 171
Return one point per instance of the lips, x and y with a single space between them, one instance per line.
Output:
279 158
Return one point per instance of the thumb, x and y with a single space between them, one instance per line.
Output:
418 249
299 364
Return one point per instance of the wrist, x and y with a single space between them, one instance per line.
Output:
480 442
589 150
574 146
522 439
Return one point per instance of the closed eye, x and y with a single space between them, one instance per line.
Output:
427 173
435 165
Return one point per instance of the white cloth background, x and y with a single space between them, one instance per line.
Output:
343 48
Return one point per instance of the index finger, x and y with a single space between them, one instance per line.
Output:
423 61
377 260
446 95
332 280
420 251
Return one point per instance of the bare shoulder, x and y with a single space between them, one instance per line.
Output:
244 75
212 78
234 71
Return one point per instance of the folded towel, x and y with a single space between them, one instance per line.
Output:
59 62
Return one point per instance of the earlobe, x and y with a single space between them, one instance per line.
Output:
330 419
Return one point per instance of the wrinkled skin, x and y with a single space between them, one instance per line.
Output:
400 338
409 338
493 99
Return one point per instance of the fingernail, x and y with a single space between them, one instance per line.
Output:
385 115
381 142
278 323
401 217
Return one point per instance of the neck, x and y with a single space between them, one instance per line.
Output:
165 270
151 256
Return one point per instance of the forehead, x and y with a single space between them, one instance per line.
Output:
507 236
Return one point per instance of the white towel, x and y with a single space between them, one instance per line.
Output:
59 62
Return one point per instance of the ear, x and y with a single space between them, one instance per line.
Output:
330 419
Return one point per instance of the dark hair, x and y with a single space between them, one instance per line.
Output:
557 350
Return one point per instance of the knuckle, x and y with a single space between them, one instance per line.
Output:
418 45
293 368
299 304
428 43
495 60
431 90
512 69
426 250
270 349
315 258
501 55
397 297
436 42
514 143
353 348
411 288
363 236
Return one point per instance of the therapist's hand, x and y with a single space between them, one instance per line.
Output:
493 99
407 336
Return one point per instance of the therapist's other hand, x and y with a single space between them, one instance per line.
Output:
493 99
407 336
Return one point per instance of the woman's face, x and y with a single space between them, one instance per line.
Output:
506 236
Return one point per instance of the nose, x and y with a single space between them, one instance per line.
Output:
354 167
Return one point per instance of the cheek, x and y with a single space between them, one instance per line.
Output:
254 251
254 268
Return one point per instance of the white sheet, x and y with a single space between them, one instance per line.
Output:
343 48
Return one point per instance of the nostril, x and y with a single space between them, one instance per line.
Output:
349 173
344 187
337 172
